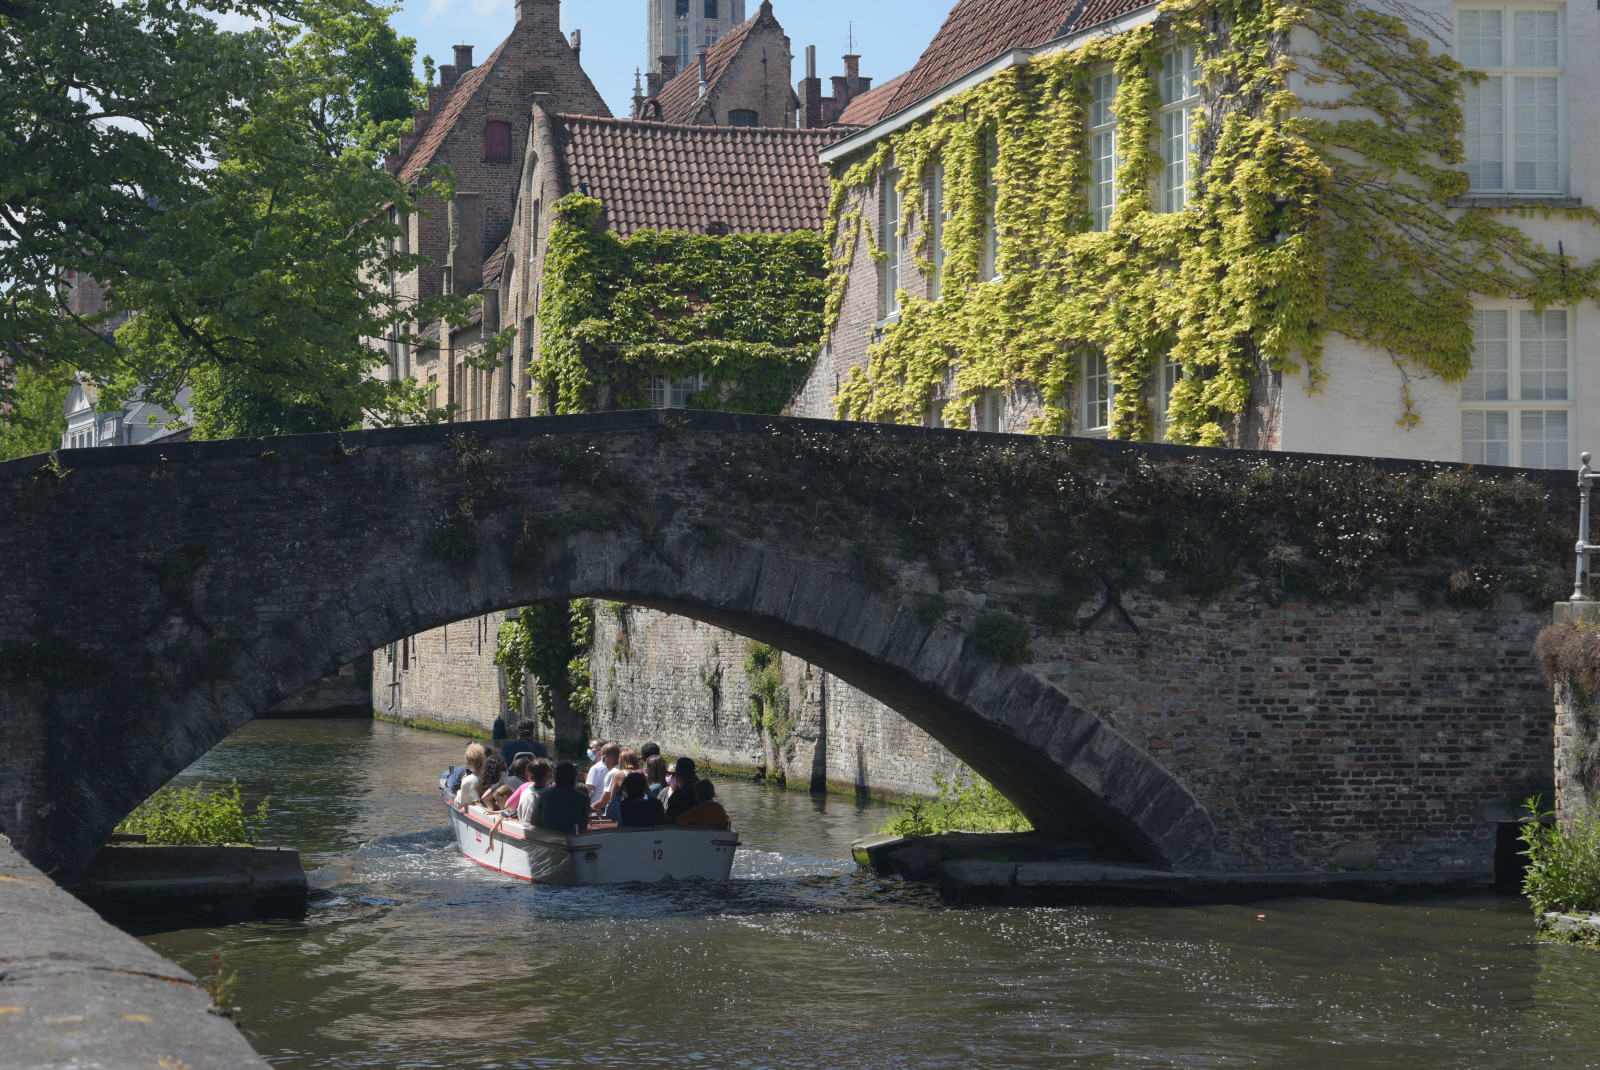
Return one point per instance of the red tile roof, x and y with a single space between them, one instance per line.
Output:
495 266
1097 11
656 176
680 98
977 31
872 105
439 128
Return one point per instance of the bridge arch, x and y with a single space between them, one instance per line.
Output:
243 571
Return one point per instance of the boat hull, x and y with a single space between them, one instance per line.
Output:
600 856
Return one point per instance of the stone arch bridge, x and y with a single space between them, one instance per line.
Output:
1198 659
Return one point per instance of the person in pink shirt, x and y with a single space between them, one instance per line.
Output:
542 773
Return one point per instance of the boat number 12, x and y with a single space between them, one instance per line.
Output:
656 854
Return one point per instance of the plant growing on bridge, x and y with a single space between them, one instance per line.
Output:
1303 220
744 312
963 803
193 816
770 702
1563 862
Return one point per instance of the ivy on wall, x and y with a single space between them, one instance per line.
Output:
743 311
1320 203
552 641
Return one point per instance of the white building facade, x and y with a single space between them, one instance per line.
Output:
135 424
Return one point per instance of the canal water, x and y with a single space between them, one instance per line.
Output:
415 957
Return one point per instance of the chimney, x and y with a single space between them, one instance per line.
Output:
541 14
669 67
419 121
447 77
577 43
465 262
491 310
653 81
852 73
435 95
811 93
704 81
463 58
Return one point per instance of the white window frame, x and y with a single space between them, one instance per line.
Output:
894 243
1171 376
989 411
938 219
1097 395
1180 100
1518 411
1507 73
1104 158
989 259
674 392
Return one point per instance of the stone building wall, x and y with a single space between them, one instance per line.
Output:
683 685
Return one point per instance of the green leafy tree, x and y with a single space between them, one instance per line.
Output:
36 419
224 186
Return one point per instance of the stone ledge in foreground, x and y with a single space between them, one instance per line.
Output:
75 992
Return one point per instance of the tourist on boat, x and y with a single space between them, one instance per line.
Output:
541 773
638 809
468 792
495 801
610 804
648 751
706 813
655 774
596 780
682 799
474 760
562 808
494 774
524 743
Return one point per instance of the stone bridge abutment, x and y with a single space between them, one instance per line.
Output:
1191 690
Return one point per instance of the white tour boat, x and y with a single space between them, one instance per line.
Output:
603 854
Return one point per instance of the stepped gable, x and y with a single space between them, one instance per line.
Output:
977 31
661 176
872 105
680 98
439 128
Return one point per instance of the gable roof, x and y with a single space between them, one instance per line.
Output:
439 128
660 176
872 105
680 98
975 32
1096 12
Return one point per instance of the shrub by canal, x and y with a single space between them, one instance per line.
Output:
965 803
193 816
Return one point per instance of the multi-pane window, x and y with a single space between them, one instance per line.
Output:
1171 376
674 392
936 226
1179 98
989 411
894 242
1097 391
1512 102
1102 148
989 265
1516 403
683 47
711 9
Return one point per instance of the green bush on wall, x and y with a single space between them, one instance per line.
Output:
1302 220
744 311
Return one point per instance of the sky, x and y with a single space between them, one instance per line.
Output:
890 34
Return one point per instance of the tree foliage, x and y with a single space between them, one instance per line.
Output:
550 640
225 187
36 419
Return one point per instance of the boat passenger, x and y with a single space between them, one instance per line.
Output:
610 755
474 751
495 801
638 809
524 743
682 799
541 773
596 779
648 751
520 774
469 791
562 808
655 774
706 813
494 773
610 804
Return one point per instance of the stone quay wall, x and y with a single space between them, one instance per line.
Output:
683 685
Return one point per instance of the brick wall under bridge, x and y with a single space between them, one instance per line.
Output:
1234 729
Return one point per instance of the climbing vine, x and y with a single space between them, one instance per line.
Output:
550 640
1321 202
744 312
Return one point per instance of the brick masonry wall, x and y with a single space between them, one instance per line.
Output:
654 675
